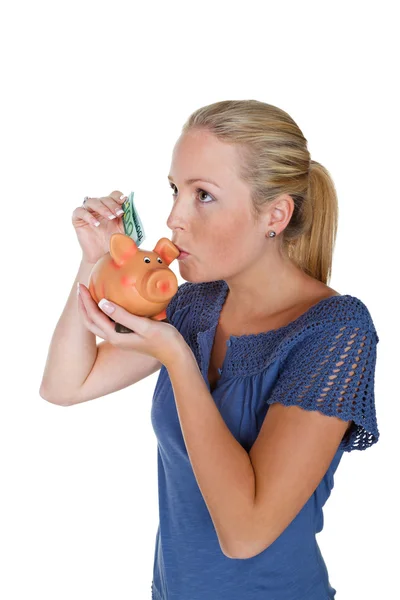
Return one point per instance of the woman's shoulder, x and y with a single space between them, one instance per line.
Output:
341 309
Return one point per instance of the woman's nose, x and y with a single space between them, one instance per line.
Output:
176 218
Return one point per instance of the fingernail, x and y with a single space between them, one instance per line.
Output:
108 307
78 288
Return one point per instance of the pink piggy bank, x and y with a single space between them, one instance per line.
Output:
138 280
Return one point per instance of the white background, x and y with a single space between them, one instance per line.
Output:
93 98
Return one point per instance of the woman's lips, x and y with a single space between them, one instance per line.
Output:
183 255
181 250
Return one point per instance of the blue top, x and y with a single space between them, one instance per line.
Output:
291 365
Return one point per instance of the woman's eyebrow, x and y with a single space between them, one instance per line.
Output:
197 179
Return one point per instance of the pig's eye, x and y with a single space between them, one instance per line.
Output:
146 259
159 260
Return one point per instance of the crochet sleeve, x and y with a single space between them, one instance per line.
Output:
332 370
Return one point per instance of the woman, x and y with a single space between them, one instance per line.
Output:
267 373
246 465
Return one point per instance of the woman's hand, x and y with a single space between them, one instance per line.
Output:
161 340
107 211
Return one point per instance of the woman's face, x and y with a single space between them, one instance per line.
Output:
211 221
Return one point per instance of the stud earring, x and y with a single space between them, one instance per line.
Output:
272 233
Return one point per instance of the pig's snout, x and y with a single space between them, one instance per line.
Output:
158 286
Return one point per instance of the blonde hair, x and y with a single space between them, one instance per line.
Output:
274 160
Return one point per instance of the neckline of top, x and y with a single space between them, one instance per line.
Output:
221 301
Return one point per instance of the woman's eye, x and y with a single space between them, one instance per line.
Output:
198 191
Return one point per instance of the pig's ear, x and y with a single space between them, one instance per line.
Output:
122 248
167 250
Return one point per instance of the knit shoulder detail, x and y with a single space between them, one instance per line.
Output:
182 298
331 368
